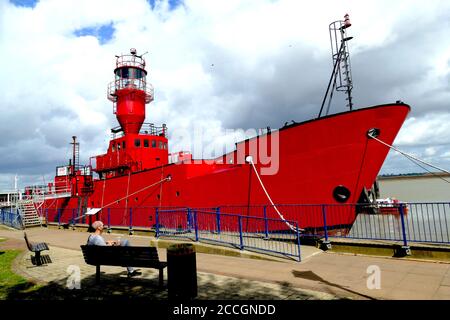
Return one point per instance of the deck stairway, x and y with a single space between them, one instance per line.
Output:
29 213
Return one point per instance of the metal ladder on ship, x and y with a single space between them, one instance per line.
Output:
30 216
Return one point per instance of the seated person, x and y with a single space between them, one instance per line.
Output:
95 239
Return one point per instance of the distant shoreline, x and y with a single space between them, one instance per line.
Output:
412 176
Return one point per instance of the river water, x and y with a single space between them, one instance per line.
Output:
427 217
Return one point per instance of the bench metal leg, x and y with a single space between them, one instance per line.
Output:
161 277
37 257
97 274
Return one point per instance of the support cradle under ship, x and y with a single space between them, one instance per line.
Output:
328 160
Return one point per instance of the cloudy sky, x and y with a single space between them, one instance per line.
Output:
217 65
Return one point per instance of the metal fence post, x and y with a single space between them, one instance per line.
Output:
46 217
59 218
241 240
19 218
266 224
298 243
189 222
130 229
405 250
73 219
196 225
157 222
109 220
325 245
218 219
13 218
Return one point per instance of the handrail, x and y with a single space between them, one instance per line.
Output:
146 129
130 83
130 60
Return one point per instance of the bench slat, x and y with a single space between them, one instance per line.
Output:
122 256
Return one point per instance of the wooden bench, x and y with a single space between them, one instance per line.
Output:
36 248
144 257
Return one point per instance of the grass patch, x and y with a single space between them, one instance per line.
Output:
12 284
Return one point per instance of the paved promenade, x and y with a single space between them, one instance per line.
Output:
321 275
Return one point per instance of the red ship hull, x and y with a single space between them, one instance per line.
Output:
314 158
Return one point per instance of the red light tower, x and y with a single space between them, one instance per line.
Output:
130 91
135 145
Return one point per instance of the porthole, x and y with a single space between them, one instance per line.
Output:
341 194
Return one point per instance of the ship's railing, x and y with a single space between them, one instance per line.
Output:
146 129
11 217
9 197
130 60
5 204
130 83
37 191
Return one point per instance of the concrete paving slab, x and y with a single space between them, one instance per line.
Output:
443 293
445 280
426 284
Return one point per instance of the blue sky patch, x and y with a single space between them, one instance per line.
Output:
25 3
173 4
103 33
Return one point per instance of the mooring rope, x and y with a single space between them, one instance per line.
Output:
103 191
140 190
295 229
129 195
126 201
410 157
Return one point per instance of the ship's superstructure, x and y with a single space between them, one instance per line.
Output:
135 145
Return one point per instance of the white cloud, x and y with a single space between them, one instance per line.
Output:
431 129
217 64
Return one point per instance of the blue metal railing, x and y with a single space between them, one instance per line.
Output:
412 222
11 217
238 231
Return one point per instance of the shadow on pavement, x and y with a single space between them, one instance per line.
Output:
118 286
309 275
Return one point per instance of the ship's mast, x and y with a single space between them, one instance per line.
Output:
341 77
75 155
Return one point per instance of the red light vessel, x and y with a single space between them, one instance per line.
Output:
328 160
